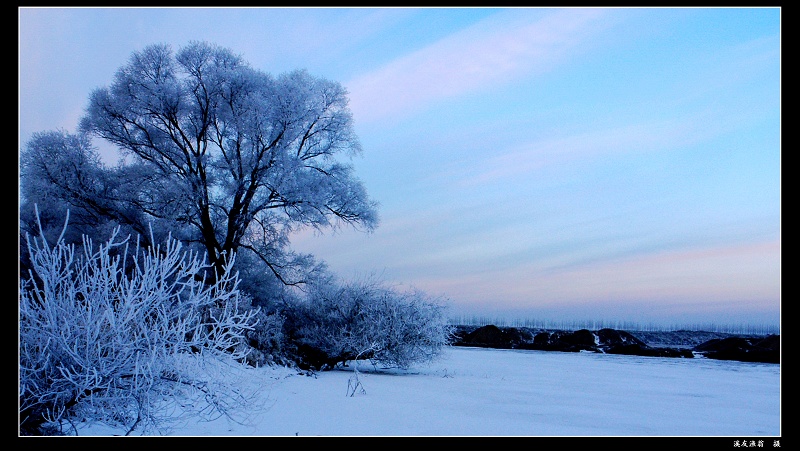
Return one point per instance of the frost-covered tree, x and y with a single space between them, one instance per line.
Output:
128 347
368 320
219 153
62 172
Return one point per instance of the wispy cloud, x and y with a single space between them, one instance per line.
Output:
514 43
649 136
741 272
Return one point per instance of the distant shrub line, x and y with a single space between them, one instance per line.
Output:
535 323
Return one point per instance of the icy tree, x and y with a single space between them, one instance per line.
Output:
237 156
59 172
368 320
121 334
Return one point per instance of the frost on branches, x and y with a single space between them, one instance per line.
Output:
367 320
120 334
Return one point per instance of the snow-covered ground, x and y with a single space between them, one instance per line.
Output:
491 392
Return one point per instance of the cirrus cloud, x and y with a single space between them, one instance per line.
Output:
510 44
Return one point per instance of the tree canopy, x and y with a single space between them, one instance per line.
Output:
219 153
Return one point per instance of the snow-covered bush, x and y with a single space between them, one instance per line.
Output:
117 333
367 320
266 338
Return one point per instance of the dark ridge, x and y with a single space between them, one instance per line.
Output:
681 343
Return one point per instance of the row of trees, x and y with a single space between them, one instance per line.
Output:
220 164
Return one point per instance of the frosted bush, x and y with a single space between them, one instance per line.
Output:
115 333
368 320
266 339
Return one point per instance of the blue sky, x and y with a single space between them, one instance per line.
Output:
614 164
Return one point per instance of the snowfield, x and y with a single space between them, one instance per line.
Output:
492 392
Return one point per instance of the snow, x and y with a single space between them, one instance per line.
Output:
492 392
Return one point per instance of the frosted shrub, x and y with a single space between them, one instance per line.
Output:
266 339
370 321
102 341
